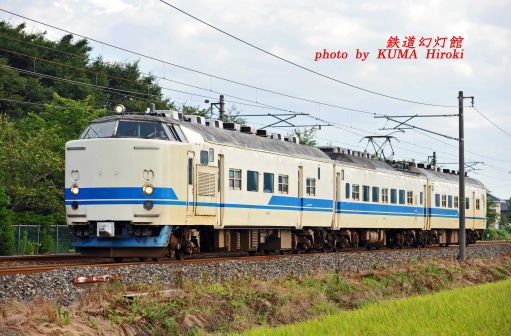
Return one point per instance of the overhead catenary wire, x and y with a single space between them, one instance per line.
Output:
257 88
494 124
301 66
190 69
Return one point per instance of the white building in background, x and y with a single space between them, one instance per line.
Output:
501 207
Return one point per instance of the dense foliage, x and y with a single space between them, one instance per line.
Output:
38 114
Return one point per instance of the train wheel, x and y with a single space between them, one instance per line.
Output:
252 253
179 254
118 259
143 259
156 258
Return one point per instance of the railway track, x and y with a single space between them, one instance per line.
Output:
81 261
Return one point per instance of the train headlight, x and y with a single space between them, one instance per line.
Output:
119 109
75 190
148 189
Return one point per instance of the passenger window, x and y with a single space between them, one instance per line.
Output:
437 200
355 192
235 179
477 204
283 184
204 157
409 197
385 195
449 201
365 193
347 191
268 182
252 180
401 196
444 201
211 155
311 187
342 174
421 195
376 194
456 202
467 203
319 173
393 196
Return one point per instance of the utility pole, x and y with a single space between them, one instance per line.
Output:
404 125
222 108
461 141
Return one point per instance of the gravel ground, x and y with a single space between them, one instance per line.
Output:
56 284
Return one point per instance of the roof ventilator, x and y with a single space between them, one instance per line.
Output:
248 129
232 126
215 123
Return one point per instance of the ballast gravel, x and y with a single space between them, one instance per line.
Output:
57 284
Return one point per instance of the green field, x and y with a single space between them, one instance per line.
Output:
478 310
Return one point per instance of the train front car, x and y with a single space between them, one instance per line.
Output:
121 183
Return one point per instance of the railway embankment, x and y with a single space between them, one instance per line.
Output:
57 284
239 303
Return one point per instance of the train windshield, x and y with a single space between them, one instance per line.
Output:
132 129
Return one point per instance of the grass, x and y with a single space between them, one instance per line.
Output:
479 310
243 303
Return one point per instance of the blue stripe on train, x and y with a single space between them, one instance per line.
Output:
167 196
120 193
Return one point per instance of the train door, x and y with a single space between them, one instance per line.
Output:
427 207
473 212
189 186
221 188
300 195
337 200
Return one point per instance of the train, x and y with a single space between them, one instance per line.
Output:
161 183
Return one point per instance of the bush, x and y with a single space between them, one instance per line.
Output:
498 234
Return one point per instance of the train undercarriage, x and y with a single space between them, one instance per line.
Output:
184 241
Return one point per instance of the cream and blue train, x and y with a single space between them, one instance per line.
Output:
154 185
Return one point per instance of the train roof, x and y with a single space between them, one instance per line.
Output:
230 137
218 135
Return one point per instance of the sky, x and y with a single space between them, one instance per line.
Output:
296 30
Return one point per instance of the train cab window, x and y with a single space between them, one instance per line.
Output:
355 192
365 193
283 184
409 197
138 129
385 195
477 204
401 196
421 196
252 180
455 202
376 194
347 187
449 201
467 203
235 179
437 200
393 196
310 187
268 182
444 201
204 157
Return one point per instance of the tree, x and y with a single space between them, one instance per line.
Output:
491 213
7 240
305 136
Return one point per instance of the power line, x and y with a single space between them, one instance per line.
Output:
190 69
298 65
494 124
